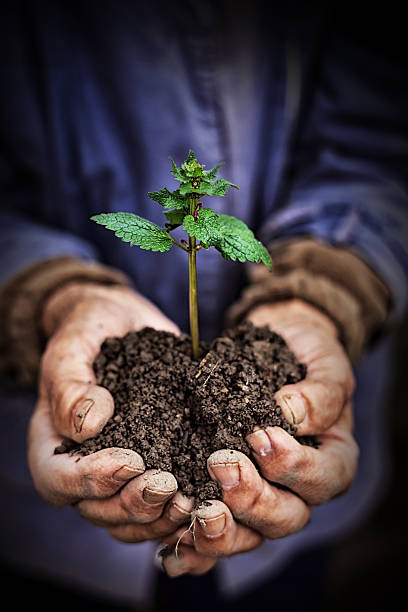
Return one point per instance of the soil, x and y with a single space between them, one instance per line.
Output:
175 411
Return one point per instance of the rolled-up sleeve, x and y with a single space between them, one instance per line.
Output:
37 260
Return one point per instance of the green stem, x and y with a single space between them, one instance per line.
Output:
192 286
180 246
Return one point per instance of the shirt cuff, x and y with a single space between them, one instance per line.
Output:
21 302
334 280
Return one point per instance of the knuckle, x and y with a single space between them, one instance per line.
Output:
303 519
350 468
96 485
51 495
263 522
127 534
289 524
70 406
56 489
62 396
216 547
247 510
161 529
128 503
82 510
290 463
135 509
95 513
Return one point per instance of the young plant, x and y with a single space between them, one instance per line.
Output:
182 207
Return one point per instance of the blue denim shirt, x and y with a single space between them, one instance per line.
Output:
309 123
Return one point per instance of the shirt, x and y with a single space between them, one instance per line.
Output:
309 121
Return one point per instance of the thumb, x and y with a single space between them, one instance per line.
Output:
79 407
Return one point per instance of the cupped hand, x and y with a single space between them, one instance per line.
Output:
110 488
275 500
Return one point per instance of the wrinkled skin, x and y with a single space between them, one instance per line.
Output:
112 489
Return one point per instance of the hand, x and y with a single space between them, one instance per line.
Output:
111 487
252 507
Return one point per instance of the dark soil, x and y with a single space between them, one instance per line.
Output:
175 411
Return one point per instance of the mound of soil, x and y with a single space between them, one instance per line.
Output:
175 411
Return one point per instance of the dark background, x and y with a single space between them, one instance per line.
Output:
370 564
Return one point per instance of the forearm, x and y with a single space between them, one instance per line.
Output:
22 300
333 280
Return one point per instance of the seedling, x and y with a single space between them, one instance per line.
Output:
205 228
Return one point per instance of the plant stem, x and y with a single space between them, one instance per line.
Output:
180 246
192 290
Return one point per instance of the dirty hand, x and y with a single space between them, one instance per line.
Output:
253 508
111 487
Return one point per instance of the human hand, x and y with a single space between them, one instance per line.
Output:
111 487
252 507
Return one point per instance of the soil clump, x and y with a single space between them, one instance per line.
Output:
175 411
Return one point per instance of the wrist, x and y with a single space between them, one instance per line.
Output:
332 279
22 304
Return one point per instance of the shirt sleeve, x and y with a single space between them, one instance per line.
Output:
37 260
347 180
24 242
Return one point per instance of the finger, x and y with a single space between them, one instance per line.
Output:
63 479
317 475
316 402
80 408
214 532
177 512
271 511
142 501
217 534
187 561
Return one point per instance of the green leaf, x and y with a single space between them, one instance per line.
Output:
205 228
168 199
237 242
219 188
177 172
232 225
191 158
211 174
136 230
191 168
175 218
186 189
242 249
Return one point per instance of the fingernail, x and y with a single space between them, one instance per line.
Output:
295 405
126 472
227 474
259 442
81 411
160 555
178 514
213 526
153 496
